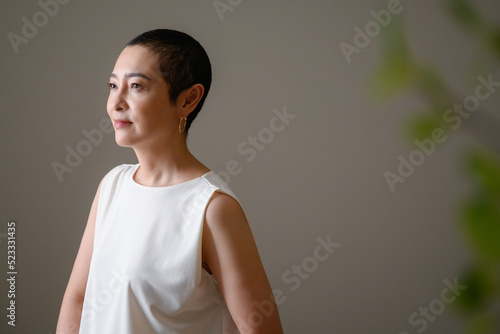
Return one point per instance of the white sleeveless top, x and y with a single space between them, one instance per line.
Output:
146 273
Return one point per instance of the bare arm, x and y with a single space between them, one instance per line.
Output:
72 303
230 251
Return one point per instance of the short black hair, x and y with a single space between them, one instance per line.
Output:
182 62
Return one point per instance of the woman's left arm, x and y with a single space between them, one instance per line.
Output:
230 251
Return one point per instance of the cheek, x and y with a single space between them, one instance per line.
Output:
154 109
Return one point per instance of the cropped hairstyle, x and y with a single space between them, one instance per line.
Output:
182 62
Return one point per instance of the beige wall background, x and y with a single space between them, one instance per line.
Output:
319 176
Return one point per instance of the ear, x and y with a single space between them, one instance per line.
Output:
189 99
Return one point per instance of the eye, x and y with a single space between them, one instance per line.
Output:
112 86
136 85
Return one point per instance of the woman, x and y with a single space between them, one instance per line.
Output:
167 247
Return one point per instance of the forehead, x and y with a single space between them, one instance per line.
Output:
136 58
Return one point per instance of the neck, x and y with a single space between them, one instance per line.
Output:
165 164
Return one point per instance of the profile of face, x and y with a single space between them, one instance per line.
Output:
138 103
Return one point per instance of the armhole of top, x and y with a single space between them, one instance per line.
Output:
233 197
218 185
217 188
230 194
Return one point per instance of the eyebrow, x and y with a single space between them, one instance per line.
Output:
133 74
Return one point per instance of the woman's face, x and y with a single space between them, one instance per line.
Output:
138 102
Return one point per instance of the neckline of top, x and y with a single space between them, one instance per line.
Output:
136 167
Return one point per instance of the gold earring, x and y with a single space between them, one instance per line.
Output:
182 125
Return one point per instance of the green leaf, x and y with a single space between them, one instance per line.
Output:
432 85
480 283
423 124
465 13
396 71
482 225
493 40
391 79
394 42
483 323
485 168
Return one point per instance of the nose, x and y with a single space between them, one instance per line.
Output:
117 101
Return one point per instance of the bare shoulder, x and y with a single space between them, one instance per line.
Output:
230 252
226 230
224 209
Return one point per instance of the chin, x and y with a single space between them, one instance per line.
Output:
123 145
123 142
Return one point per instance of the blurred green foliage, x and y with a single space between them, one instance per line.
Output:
479 214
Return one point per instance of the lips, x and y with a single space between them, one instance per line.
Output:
120 123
